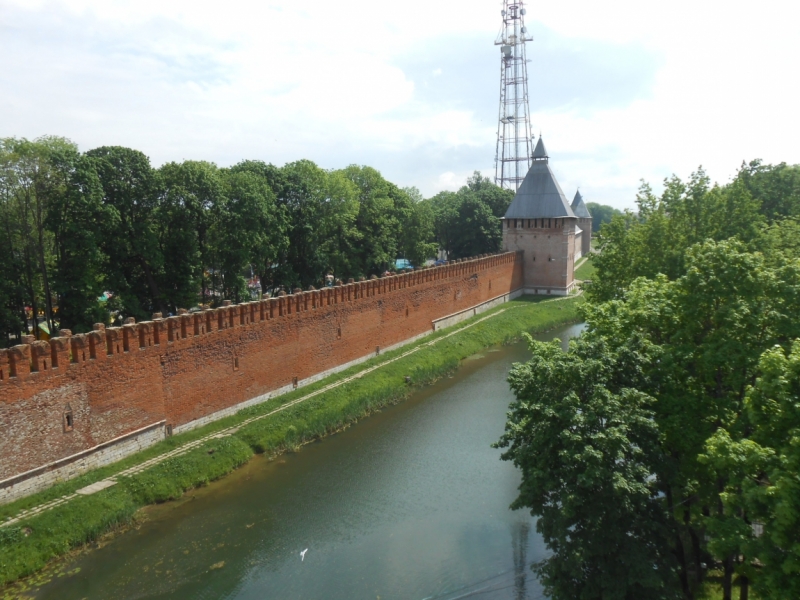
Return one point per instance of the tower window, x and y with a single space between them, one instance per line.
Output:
67 419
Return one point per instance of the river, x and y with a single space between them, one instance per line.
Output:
410 503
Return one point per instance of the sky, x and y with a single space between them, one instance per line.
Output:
621 90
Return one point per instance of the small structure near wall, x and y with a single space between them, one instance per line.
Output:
541 223
584 225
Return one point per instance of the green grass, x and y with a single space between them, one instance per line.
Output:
586 270
27 547
711 588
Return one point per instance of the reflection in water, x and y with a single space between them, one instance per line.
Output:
519 543
411 503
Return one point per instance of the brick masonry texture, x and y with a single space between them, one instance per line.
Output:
548 246
61 398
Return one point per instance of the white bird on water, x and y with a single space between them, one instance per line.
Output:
303 555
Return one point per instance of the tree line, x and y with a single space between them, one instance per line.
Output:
101 235
661 454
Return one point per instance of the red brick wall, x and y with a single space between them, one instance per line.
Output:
186 367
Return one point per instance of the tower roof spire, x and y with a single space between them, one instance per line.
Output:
579 208
539 196
540 152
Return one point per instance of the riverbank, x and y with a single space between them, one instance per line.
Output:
182 462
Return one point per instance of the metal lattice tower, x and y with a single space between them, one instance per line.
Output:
514 140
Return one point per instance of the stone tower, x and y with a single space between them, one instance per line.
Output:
541 223
584 224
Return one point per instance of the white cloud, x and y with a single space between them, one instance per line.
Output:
280 81
450 181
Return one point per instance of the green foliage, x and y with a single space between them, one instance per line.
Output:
193 193
78 220
775 187
170 479
32 177
53 533
692 350
780 241
761 474
418 233
584 439
467 222
131 189
75 226
11 535
710 311
654 240
601 214
248 228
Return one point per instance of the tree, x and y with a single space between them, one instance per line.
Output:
654 241
761 473
417 233
496 198
467 222
321 210
380 205
477 230
584 442
776 188
601 214
443 206
77 218
31 178
12 305
192 193
247 231
693 346
779 242
131 191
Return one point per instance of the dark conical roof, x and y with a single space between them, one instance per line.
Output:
540 151
579 208
539 196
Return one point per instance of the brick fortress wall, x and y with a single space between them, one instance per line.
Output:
61 400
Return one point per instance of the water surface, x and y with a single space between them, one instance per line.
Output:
410 503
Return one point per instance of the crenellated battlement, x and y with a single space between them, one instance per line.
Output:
41 359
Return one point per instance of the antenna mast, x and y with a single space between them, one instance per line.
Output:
514 141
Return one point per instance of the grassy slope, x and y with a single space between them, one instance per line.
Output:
27 547
586 270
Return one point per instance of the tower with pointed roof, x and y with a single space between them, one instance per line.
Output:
584 223
540 223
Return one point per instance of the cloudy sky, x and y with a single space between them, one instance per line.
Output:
621 90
